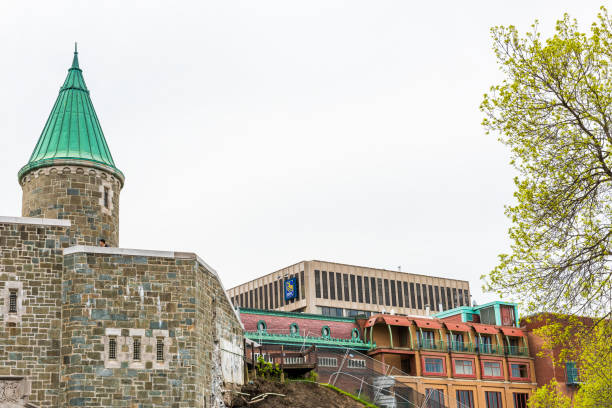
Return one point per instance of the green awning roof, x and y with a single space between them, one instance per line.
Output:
72 131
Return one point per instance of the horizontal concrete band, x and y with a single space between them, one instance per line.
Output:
123 251
35 221
156 254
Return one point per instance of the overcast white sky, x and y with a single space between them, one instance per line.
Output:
262 133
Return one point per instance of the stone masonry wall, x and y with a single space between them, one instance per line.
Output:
31 262
220 357
113 295
75 193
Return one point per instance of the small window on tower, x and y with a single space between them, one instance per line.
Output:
13 301
112 348
106 202
160 349
136 348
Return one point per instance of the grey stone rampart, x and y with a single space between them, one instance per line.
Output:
125 294
31 263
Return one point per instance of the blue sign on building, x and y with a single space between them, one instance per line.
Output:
291 289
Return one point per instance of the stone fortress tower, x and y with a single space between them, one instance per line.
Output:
71 173
87 326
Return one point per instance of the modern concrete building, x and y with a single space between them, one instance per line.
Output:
335 289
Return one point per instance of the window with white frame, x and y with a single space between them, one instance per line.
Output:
491 369
464 367
356 363
328 362
265 356
294 360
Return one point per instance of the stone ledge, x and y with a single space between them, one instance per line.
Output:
117 251
35 221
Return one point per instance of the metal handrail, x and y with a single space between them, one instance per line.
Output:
426 344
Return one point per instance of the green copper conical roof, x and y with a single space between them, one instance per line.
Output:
72 132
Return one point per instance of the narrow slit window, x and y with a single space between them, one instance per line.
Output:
160 349
12 301
136 348
106 201
112 348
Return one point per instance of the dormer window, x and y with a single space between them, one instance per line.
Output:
261 326
426 339
486 344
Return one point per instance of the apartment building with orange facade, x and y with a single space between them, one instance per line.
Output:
467 357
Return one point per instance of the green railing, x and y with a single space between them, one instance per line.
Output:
490 349
517 351
459 346
432 345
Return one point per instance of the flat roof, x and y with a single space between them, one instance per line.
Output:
350 265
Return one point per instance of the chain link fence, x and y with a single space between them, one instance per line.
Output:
353 371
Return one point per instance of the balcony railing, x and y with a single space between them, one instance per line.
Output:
517 351
459 346
432 345
490 349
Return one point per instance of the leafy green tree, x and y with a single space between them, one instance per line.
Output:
549 396
588 345
554 112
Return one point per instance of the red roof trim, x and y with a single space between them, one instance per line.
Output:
428 324
481 328
511 331
457 327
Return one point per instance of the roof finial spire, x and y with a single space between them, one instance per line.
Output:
75 59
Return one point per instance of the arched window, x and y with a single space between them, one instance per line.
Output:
261 326
294 329
325 332
355 334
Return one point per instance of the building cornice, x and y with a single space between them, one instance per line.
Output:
298 315
35 221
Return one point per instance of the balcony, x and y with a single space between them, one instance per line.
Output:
461 347
432 345
490 349
517 351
